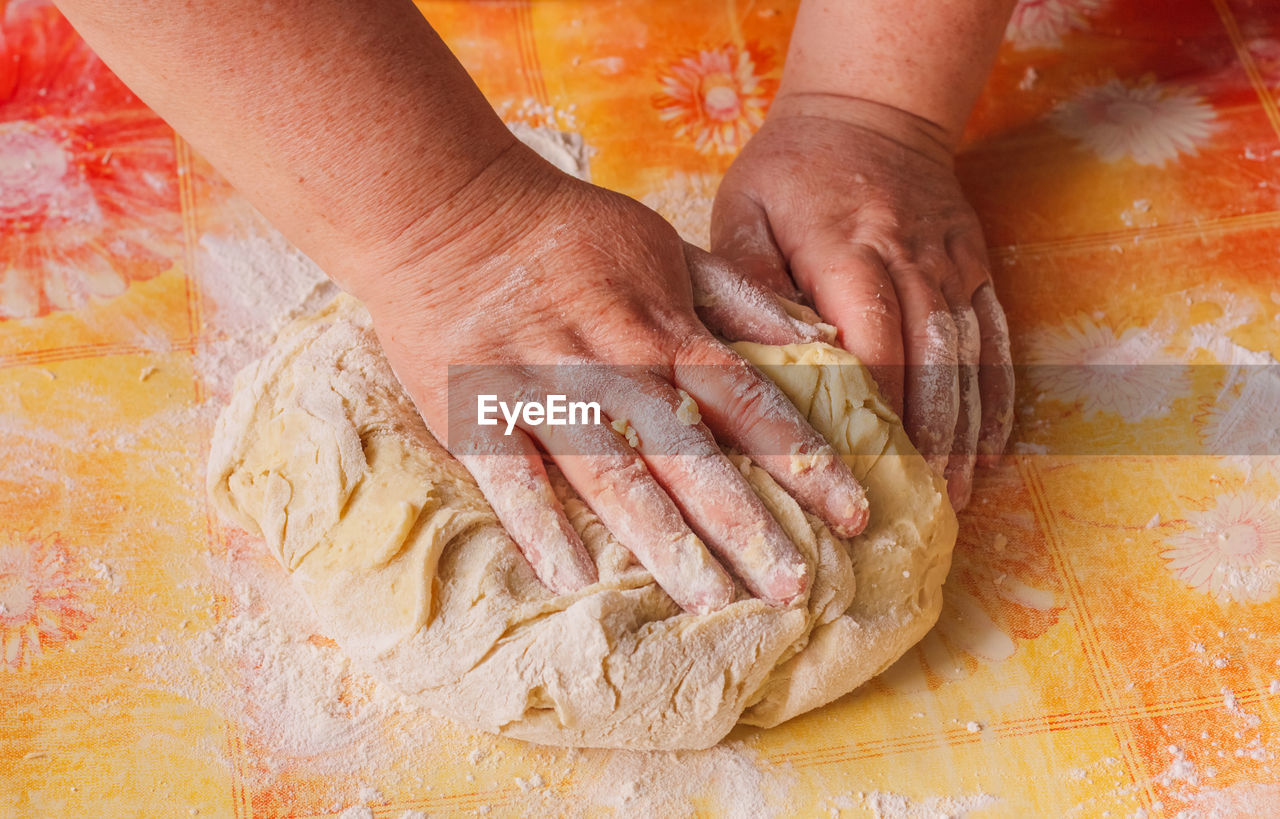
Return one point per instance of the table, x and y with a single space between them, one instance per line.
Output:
1109 644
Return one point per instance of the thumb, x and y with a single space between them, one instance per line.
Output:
737 308
740 233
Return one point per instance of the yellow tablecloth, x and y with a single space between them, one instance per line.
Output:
1109 644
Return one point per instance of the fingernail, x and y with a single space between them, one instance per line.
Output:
566 576
703 585
847 511
959 482
789 581
938 463
713 596
958 490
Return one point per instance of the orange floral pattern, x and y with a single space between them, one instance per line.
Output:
88 190
41 602
1084 664
1230 550
1147 122
717 97
1043 23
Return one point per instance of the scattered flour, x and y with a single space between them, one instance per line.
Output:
1232 703
253 281
1180 770
731 776
552 133
1239 800
295 695
897 806
564 149
685 200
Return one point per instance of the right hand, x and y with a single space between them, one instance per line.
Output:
533 267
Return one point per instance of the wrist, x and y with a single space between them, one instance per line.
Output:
905 128
423 249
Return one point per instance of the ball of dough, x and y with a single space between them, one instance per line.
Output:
321 453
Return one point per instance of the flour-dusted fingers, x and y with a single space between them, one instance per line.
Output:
747 411
995 366
509 471
932 400
964 446
740 233
995 374
715 499
614 481
738 308
852 289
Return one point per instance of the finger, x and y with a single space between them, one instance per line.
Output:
737 308
712 495
959 471
740 233
852 289
615 483
953 276
747 411
932 386
510 473
995 375
995 372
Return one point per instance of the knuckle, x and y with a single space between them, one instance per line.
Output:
754 403
938 269
615 473
699 348
678 439
875 219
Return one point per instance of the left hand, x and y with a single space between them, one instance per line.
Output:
854 207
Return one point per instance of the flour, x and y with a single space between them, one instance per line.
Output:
252 280
1180 770
552 133
730 776
1239 800
685 200
292 696
564 149
897 806
1232 703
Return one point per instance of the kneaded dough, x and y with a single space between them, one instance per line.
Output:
321 452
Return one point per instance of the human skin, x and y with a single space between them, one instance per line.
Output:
358 135
847 197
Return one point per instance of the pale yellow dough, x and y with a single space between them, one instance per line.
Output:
322 453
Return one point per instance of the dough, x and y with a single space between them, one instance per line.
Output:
322 453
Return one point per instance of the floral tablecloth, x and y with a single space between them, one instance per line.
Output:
1109 644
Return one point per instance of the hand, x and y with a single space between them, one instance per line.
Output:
539 283
855 206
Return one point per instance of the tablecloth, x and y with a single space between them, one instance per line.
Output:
1109 642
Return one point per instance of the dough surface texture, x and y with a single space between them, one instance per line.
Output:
322 454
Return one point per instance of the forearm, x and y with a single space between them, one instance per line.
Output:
348 124
927 57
